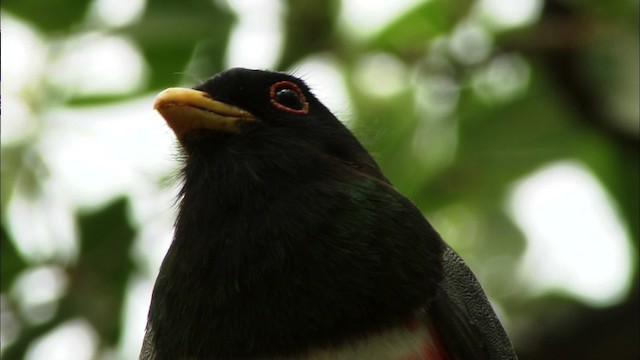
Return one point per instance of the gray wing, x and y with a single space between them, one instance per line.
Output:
464 317
147 352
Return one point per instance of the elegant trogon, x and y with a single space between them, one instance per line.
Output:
290 243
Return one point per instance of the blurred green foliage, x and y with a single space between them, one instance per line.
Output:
578 61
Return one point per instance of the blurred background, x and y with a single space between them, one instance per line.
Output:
513 125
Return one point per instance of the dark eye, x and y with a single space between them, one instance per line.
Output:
288 97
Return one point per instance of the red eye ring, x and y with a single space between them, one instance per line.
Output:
292 86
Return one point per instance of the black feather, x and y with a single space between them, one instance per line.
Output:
289 238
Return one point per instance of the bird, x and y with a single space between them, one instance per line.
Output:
290 242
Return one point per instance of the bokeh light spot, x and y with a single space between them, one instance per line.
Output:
576 242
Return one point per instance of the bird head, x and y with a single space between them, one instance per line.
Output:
241 106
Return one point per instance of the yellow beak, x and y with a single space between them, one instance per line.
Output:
187 109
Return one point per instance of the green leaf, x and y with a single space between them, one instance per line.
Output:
12 263
171 31
410 34
49 15
97 283
501 142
